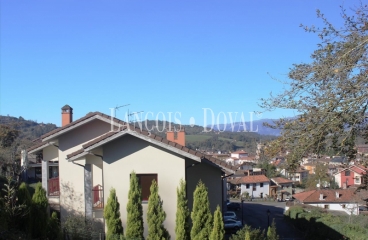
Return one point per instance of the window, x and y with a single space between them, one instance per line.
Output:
343 206
347 173
145 181
247 186
261 184
357 180
254 186
326 206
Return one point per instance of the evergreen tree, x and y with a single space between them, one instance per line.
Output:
112 217
156 215
247 235
134 228
39 210
53 227
201 214
24 198
218 231
271 232
182 213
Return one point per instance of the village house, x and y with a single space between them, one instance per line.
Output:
97 152
298 175
343 200
257 186
350 176
281 188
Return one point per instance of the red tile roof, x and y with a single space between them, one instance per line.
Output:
211 159
253 179
280 180
329 196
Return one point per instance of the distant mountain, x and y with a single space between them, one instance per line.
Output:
255 126
29 129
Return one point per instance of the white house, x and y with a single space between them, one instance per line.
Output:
97 152
258 186
343 200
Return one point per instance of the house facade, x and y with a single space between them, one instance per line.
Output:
351 176
297 176
257 186
281 188
343 200
96 153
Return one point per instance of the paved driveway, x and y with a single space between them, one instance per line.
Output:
255 215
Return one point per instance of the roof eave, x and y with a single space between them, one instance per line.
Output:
53 136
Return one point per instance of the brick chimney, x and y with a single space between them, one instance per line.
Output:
176 136
66 115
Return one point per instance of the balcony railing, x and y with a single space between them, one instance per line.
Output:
97 194
54 187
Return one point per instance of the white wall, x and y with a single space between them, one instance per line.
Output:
127 154
256 194
349 207
71 175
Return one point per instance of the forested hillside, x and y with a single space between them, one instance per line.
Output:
212 141
28 129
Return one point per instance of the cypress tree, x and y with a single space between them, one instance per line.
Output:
218 230
53 227
39 210
24 198
271 232
182 213
112 217
201 214
247 235
134 228
156 215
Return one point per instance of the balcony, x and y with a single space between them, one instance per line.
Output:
53 187
97 196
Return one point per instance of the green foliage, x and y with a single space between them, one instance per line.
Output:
201 214
271 232
53 231
77 227
320 176
156 215
11 208
319 225
39 209
329 92
134 228
218 230
182 213
270 169
112 216
24 198
248 232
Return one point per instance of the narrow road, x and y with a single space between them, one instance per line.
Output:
255 215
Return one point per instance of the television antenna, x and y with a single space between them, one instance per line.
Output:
131 114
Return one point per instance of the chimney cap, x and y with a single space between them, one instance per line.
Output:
67 107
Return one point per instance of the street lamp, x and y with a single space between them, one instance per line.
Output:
242 209
268 217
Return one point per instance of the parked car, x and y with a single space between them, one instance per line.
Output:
363 208
233 206
288 199
230 215
232 225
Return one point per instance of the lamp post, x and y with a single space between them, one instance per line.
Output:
268 218
242 210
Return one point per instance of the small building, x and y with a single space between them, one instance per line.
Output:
343 200
257 186
297 176
350 176
281 188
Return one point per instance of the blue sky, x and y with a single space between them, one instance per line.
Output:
158 56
